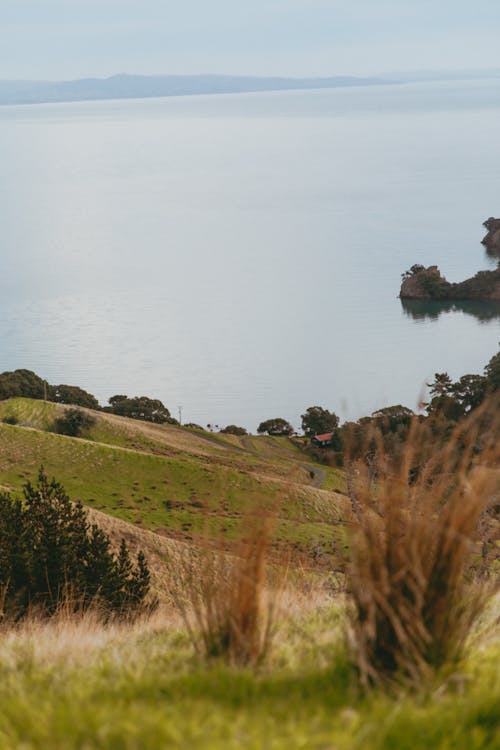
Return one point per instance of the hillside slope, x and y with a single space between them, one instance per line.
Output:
178 482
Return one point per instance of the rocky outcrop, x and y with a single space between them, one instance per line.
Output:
491 241
428 283
421 283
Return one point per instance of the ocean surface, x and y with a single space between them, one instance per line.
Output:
240 255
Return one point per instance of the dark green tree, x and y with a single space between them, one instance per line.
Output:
492 372
139 407
73 395
442 385
13 572
141 579
56 531
317 421
101 568
22 383
233 429
49 553
444 401
470 390
393 418
74 422
276 426
452 400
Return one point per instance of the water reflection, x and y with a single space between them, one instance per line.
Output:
424 310
157 256
493 252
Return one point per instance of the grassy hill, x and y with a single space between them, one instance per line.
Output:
75 682
176 481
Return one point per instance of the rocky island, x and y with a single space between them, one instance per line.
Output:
429 284
491 240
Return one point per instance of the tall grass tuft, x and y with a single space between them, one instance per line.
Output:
222 598
413 529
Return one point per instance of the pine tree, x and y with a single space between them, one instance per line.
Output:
49 551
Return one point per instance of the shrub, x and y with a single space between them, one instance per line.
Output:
318 421
11 419
72 394
221 598
50 555
233 429
74 423
410 543
140 407
492 372
22 383
276 426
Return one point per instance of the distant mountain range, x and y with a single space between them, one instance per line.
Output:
138 87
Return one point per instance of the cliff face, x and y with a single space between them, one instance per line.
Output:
428 283
491 240
422 283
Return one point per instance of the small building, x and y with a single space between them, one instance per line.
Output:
322 441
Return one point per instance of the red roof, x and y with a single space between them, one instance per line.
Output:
324 438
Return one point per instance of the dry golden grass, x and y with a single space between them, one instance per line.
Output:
223 600
410 545
77 639
161 552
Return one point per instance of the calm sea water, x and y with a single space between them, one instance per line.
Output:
241 255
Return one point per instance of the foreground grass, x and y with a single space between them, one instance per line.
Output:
81 686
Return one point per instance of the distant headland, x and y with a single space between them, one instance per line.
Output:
429 284
125 86
491 240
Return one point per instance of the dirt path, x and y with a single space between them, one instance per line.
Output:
317 475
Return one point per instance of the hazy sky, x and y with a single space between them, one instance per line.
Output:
75 38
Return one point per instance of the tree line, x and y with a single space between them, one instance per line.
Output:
27 384
450 401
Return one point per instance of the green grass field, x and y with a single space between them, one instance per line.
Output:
70 687
182 482
75 684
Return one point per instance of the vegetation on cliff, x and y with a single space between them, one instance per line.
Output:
428 283
491 240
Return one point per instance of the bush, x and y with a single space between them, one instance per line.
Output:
318 421
233 429
221 597
492 372
410 544
140 407
277 426
22 383
50 555
12 419
74 423
72 394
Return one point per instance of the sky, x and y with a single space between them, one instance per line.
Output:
64 39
